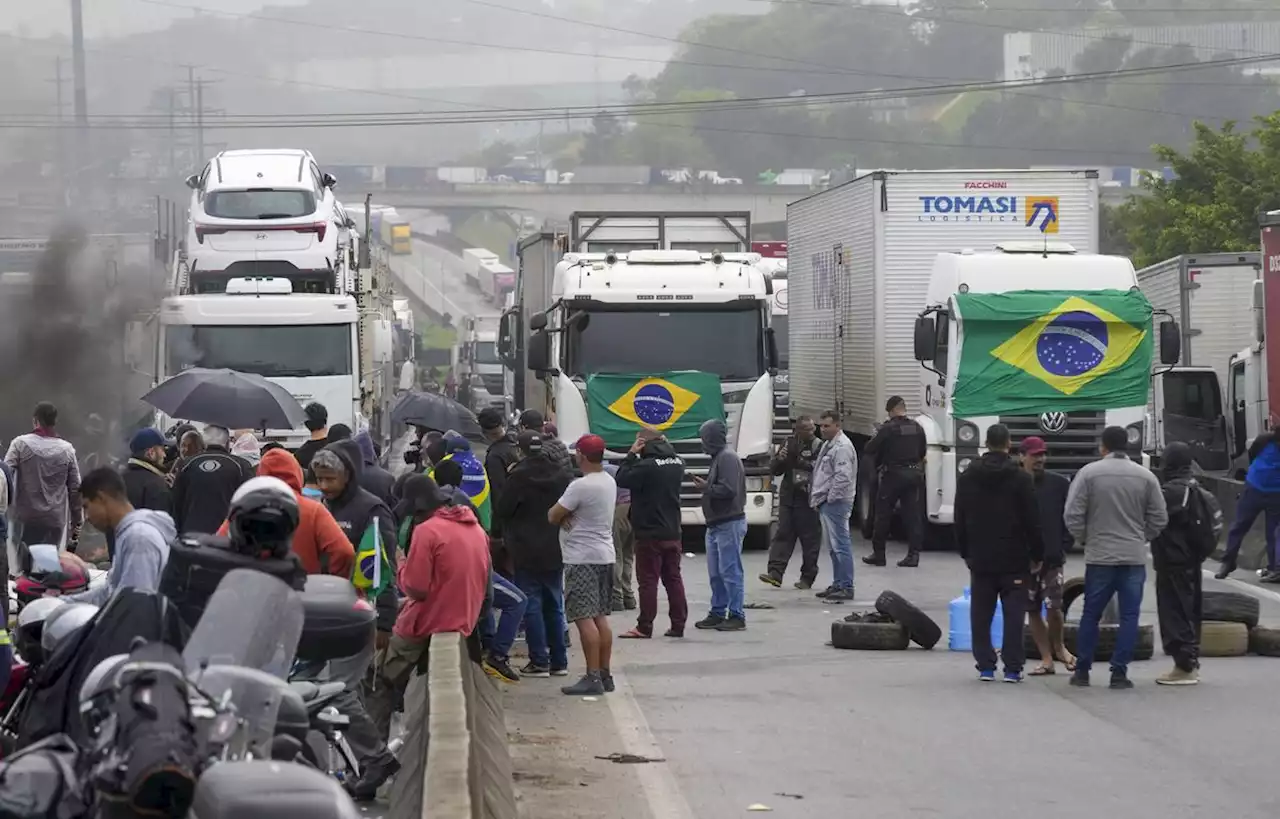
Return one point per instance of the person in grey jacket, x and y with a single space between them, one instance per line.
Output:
142 536
834 484
724 500
1115 508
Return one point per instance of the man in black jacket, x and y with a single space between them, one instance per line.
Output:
337 470
144 478
1177 562
1046 588
203 489
997 524
796 519
501 454
534 484
653 472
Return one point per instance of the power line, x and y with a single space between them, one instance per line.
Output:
1039 9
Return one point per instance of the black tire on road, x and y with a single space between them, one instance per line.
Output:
923 630
1265 642
1072 588
1230 607
869 636
1219 639
1144 650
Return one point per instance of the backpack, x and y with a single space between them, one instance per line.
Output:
197 564
1205 522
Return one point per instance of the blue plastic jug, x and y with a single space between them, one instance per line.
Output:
961 636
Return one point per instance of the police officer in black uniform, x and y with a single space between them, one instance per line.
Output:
796 519
899 448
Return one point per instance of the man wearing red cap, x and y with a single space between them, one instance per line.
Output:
1046 588
584 514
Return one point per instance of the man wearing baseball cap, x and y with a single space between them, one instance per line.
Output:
1046 587
584 514
144 478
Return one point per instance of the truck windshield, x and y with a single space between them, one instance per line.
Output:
724 342
781 335
487 352
274 352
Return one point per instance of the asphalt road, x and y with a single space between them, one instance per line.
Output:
773 716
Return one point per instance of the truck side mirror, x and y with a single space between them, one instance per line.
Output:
771 342
1170 343
538 321
1259 312
925 341
539 351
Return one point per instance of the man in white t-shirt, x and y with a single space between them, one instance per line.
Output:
585 517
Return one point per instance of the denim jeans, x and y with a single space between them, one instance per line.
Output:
835 534
544 627
510 603
1101 581
724 566
1252 503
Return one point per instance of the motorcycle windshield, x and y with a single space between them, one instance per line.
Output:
252 620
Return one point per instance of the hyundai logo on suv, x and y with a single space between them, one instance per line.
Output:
1053 422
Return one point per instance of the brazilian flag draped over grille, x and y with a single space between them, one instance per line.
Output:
677 403
1029 352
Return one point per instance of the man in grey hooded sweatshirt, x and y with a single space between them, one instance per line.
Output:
142 536
724 498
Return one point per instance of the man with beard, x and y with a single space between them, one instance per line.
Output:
1046 587
796 519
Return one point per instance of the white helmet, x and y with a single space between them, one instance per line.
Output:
63 622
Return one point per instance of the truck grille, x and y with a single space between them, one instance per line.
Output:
1070 449
492 383
696 462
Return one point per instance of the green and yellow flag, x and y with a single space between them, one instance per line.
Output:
372 572
677 403
1029 352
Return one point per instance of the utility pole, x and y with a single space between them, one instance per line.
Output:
61 144
81 95
173 130
199 122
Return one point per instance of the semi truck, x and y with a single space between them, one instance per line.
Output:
875 269
1249 393
476 258
497 281
661 320
481 364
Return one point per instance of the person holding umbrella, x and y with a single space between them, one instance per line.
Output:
203 489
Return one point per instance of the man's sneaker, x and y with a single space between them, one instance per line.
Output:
804 585
709 622
1179 677
500 669
1013 676
532 669
606 679
373 777
911 561
987 676
1080 679
589 685
732 624
1225 570
839 596
559 672
617 606
1120 681
875 559
770 580
823 594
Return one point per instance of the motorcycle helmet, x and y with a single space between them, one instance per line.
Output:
62 623
97 693
263 517
31 621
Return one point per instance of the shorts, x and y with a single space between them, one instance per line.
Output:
588 590
1047 588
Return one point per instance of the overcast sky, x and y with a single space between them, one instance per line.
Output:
110 18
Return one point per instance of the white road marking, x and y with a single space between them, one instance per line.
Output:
656 779
1247 588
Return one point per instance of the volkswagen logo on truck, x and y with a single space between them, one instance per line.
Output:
1053 422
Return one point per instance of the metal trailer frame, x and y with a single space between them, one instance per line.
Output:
578 235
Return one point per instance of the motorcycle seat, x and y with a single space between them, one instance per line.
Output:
311 691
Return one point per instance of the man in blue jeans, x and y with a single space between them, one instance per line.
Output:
1261 496
831 493
1115 508
724 499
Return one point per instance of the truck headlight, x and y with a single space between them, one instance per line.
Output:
758 484
967 434
963 464
1133 435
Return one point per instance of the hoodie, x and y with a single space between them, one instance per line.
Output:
997 519
142 548
501 455
1264 464
533 487
319 542
724 498
654 476
1173 548
445 576
355 510
374 478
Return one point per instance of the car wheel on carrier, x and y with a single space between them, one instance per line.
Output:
1223 639
923 630
869 636
1265 642
1229 607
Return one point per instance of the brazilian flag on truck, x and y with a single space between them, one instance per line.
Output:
675 403
1028 352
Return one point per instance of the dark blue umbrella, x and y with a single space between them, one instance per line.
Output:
230 399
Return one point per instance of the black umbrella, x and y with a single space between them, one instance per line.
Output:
435 411
227 398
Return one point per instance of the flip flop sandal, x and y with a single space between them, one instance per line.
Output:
1042 671
1070 666
635 634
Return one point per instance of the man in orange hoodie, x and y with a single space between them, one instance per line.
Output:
318 541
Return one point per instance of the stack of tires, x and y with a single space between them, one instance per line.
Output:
1072 590
1229 627
892 626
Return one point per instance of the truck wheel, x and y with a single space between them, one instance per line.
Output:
1229 607
1145 648
1219 639
757 538
923 630
1265 642
868 636
866 507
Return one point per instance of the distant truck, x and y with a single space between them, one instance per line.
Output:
462 175
497 281
476 259
395 234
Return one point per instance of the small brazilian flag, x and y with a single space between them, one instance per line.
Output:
676 403
1029 352
372 571
474 482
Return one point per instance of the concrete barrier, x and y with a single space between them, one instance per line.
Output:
455 761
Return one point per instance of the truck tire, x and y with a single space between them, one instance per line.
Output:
1072 589
869 636
923 630
1218 639
1229 607
1143 650
1265 642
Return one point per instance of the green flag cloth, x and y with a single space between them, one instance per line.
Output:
677 403
1029 352
372 571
